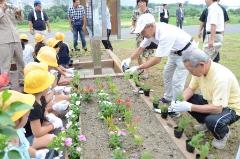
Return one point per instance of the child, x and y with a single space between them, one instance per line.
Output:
39 44
27 49
20 143
40 123
62 50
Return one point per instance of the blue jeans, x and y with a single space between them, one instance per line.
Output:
78 29
216 123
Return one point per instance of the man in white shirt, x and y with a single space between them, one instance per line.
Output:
214 29
164 15
172 42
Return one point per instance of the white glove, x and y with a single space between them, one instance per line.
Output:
70 70
57 123
54 72
177 106
125 63
133 69
41 154
67 90
60 106
69 75
51 117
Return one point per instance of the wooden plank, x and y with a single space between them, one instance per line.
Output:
117 65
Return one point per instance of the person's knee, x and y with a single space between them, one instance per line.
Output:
212 122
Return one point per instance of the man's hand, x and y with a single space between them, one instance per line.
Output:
126 63
133 69
41 154
177 106
31 31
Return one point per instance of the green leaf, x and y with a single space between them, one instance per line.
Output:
5 119
2 154
14 154
5 96
18 106
8 131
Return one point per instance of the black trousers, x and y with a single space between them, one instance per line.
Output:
164 20
216 123
106 43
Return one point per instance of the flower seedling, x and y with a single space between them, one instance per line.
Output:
109 121
119 154
138 140
180 98
88 92
183 123
196 139
155 102
204 150
115 141
164 111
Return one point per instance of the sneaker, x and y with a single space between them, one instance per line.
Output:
200 127
164 101
220 144
85 49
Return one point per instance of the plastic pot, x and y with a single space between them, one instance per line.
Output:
198 156
155 105
164 115
177 133
189 147
147 92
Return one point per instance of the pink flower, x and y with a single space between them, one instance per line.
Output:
78 149
82 138
68 141
122 132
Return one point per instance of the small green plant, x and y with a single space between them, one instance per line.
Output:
88 92
180 97
204 150
183 123
146 155
110 123
114 141
98 83
138 140
196 139
145 87
128 115
164 108
155 100
119 154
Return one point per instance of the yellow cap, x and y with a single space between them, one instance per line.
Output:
59 36
37 81
55 43
23 37
39 37
35 66
17 97
48 55
50 42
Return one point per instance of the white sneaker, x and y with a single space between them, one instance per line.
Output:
200 127
220 144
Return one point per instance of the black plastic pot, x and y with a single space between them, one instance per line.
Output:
198 156
137 85
189 147
164 115
155 105
146 92
177 133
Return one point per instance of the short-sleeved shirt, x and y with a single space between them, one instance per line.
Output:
219 87
215 16
28 54
39 24
76 13
137 13
8 30
37 113
168 38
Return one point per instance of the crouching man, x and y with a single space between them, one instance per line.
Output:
218 106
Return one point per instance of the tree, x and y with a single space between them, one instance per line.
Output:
27 10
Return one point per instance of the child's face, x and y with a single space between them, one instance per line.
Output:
20 123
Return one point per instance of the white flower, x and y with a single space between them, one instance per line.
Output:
80 97
73 95
78 102
68 125
69 114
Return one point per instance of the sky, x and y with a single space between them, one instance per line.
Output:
230 3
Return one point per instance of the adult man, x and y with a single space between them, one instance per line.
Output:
89 18
219 103
202 29
10 45
180 15
164 15
172 42
38 19
214 29
77 21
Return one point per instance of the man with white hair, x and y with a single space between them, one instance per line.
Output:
218 104
172 42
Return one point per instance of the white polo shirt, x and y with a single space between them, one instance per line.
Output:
169 38
215 16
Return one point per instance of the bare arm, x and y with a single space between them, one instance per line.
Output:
30 24
151 62
84 23
38 130
32 151
200 29
187 94
207 108
212 36
48 26
137 53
